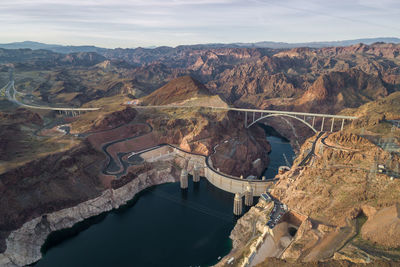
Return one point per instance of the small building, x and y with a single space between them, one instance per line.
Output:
266 197
230 260
133 102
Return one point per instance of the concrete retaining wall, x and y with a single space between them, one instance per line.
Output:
223 181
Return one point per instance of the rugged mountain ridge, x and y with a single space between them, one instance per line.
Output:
179 89
46 59
264 44
296 79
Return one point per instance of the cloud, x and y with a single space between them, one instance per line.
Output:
173 22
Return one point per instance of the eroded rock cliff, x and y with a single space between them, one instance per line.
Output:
23 245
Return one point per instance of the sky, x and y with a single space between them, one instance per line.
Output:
133 23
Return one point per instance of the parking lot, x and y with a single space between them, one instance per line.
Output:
276 214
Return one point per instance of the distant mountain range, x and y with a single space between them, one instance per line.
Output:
277 45
367 41
52 47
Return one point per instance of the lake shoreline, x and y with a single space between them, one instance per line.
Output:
24 244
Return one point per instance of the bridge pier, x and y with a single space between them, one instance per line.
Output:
237 205
301 116
184 179
196 174
341 128
248 196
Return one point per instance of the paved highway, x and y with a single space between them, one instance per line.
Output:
312 152
11 97
293 113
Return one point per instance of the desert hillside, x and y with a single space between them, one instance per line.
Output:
179 89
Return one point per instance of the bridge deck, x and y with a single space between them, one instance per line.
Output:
294 113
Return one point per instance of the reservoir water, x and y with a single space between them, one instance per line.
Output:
161 226
280 148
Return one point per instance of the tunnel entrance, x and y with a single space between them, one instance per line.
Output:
292 231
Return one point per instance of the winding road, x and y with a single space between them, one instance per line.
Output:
11 97
312 152
121 164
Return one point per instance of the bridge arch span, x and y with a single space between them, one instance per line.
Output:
283 115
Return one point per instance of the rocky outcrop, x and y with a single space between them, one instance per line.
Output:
250 224
201 132
332 194
24 244
247 151
21 115
179 89
383 228
332 190
336 90
15 129
114 119
49 184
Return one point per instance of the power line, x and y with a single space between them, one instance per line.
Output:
192 205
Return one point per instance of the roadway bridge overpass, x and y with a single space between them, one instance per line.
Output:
317 122
251 116
10 92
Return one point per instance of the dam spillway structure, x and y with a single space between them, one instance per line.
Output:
237 205
248 196
184 179
196 174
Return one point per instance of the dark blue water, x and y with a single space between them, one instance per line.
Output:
161 226
279 147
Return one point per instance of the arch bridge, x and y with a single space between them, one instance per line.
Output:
326 122
317 122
